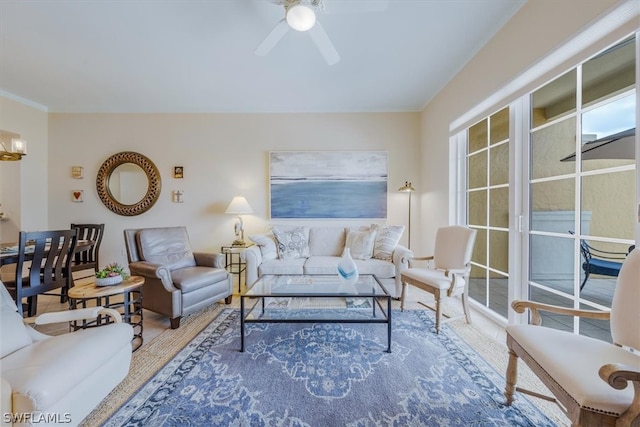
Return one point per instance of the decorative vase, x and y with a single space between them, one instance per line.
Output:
109 281
347 269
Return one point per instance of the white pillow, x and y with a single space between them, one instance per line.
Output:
360 244
387 238
267 245
293 242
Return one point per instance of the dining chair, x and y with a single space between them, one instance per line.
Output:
47 255
87 257
447 272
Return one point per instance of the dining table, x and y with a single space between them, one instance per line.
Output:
9 251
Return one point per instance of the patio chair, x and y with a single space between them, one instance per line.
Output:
598 261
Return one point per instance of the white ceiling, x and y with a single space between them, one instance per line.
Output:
197 56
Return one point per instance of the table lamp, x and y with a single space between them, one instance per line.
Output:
239 206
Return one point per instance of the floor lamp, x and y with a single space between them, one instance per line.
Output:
407 188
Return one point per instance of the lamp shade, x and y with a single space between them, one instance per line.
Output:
406 188
239 205
301 17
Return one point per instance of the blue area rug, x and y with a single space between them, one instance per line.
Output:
326 375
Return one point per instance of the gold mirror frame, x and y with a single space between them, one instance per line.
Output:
153 188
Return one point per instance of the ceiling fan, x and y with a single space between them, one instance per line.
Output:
300 15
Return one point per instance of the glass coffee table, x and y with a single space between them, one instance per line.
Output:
315 299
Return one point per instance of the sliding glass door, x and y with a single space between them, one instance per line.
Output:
578 191
582 185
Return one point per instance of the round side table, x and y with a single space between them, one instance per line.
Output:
125 297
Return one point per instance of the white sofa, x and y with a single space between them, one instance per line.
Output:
58 380
319 249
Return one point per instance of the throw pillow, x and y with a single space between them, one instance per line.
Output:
360 244
292 242
387 238
267 246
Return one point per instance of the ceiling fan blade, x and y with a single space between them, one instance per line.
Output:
354 6
321 39
273 38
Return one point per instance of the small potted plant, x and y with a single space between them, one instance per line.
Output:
112 274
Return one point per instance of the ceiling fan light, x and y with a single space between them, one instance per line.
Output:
301 17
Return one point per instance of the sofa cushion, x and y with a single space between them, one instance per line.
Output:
322 265
167 246
387 238
267 245
293 242
327 241
189 279
360 244
281 266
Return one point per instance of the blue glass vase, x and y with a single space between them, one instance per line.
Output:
347 269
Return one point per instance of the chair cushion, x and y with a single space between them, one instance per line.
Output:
573 362
602 266
189 279
40 374
432 278
167 246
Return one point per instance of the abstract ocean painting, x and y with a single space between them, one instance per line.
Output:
328 184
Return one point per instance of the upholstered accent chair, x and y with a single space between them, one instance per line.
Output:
178 281
65 375
447 271
597 383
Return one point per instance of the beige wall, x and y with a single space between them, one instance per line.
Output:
538 28
223 155
23 184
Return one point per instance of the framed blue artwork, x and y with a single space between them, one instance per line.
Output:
328 184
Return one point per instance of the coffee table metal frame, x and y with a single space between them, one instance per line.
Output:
326 286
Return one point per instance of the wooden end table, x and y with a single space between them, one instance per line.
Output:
125 297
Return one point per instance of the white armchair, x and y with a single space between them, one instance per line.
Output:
58 380
447 273
597 383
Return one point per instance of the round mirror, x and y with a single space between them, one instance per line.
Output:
128 183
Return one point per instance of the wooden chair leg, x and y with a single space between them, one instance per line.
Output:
228 299
438 313
402 295
465 307
512 377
